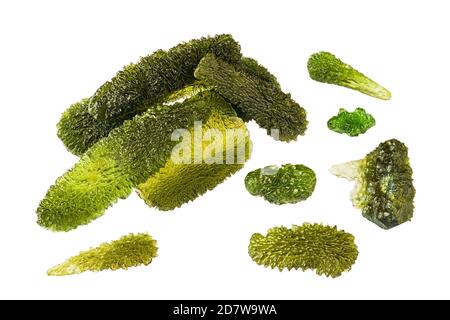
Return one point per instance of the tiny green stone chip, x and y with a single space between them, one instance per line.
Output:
351 123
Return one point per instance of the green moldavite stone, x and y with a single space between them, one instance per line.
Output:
129 251
351 123
384 185
325 249
326 67
288 184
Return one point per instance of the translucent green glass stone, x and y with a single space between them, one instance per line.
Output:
351 123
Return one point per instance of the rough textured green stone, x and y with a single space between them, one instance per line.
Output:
131 155
137 87
129 251
384 185
256 98
254 68
288 184
351 123
326 67
325 249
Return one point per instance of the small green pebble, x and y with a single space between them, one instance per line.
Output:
351 123
288 184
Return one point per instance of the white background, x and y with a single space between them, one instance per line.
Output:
54 53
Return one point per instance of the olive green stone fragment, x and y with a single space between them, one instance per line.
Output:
129 251
288 184
384 185
325 249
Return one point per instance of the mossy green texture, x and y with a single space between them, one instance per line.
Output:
79 130
176 184
325 249
255 98
384 185
158 75
351 123
129 251
288 184
85 191
326 67
254 68
138 87
128 157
